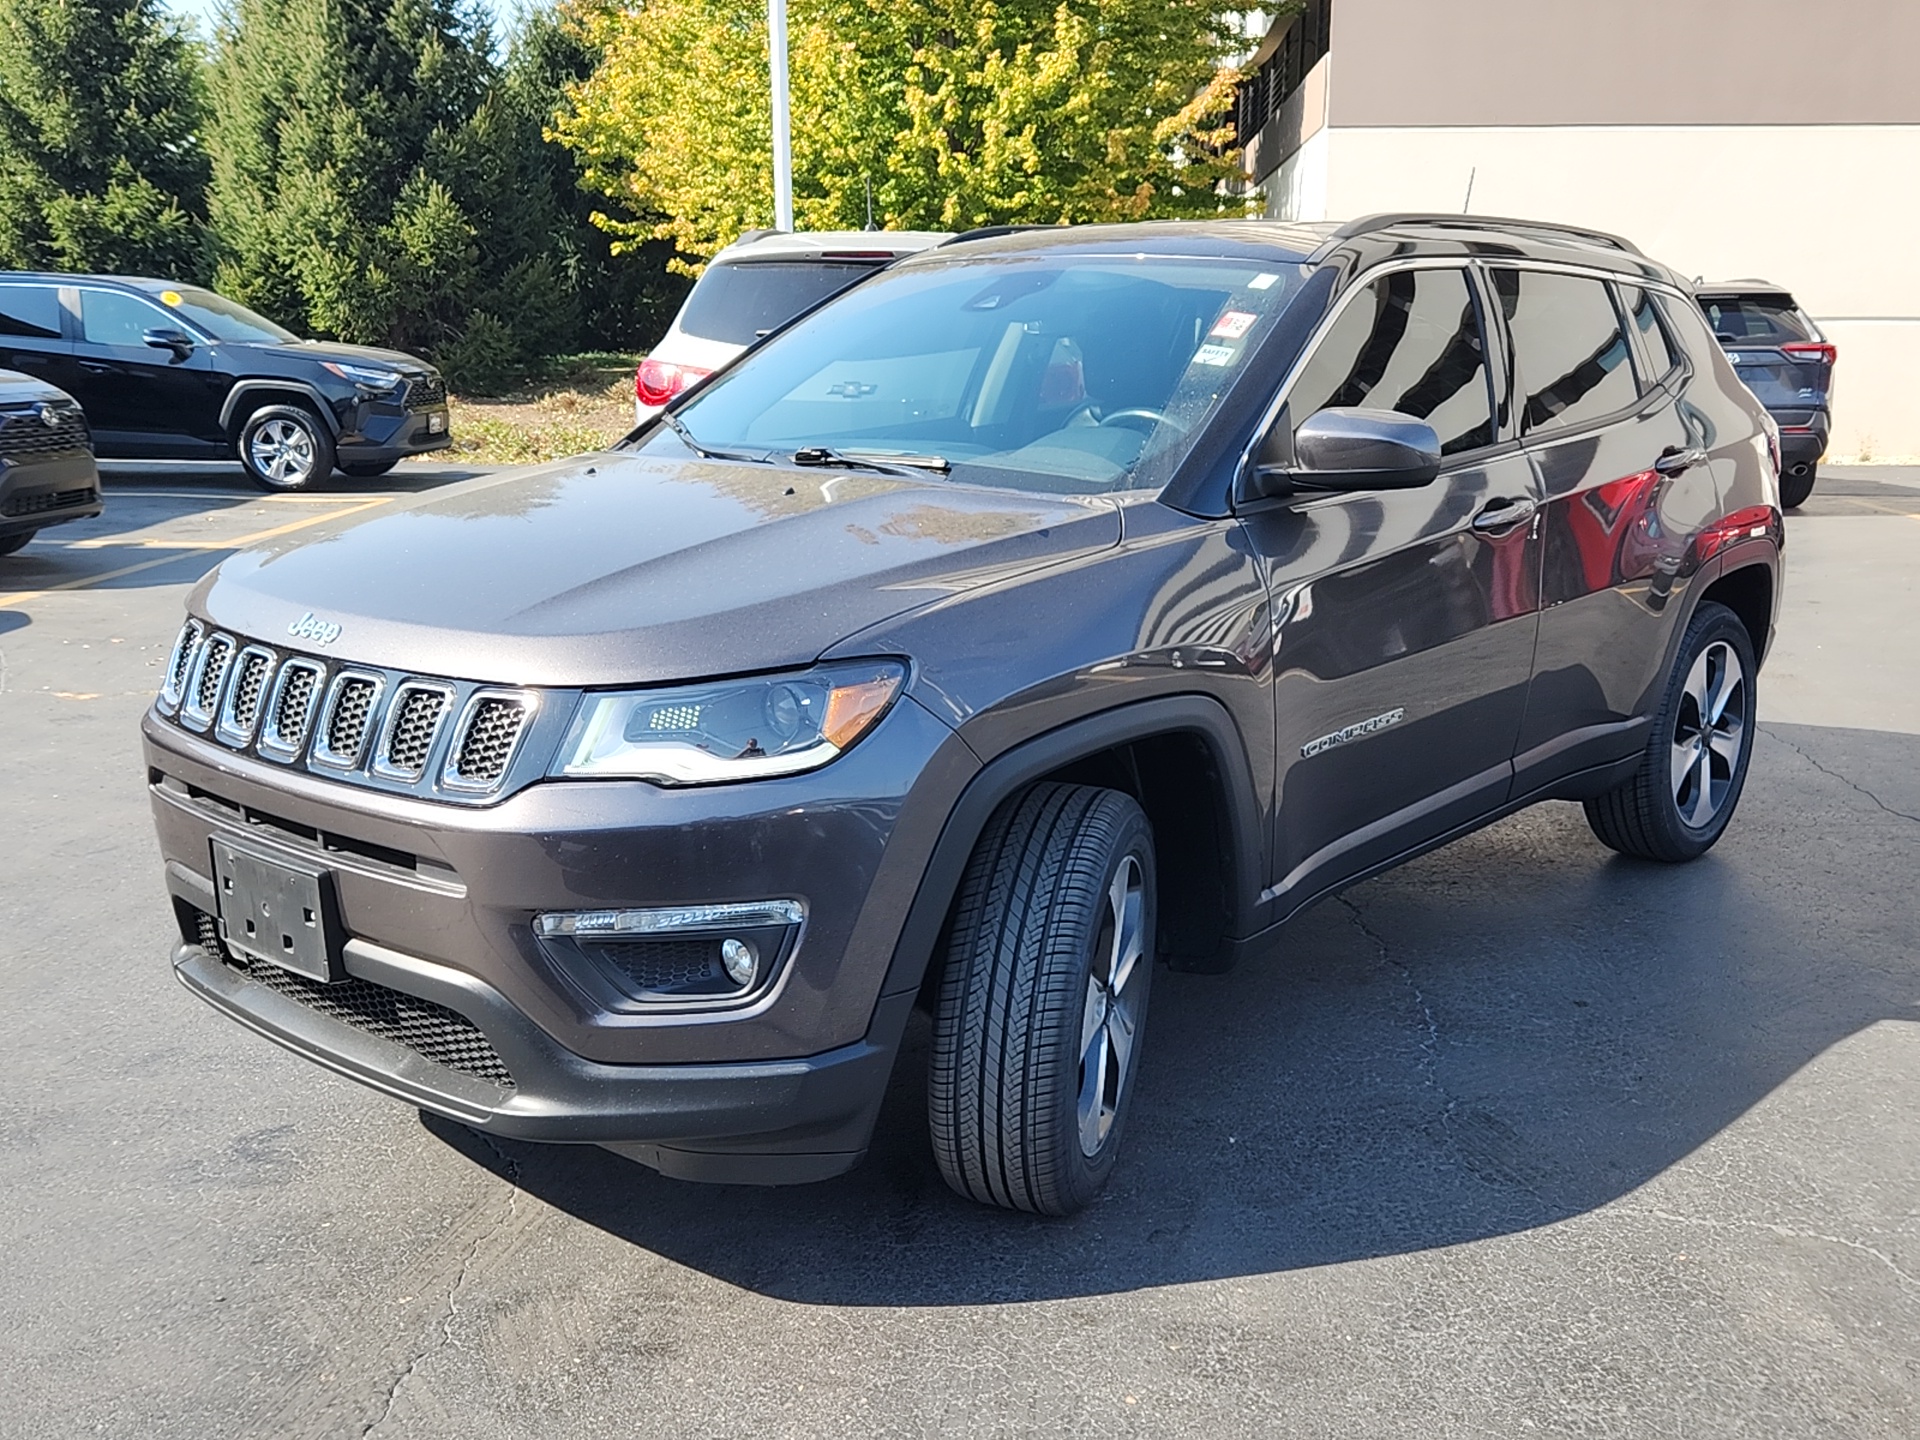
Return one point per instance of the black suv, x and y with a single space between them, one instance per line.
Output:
47 474
1045 606
1788 364
174 372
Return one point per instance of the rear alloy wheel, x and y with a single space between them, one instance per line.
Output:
1037 1031
1794 489
1680 799
10 544
285 447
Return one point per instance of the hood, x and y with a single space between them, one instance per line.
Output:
347 354
617 569
20 389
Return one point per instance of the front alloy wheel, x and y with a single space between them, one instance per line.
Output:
285 447
1036 1034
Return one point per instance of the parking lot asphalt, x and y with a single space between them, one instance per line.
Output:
1521 1138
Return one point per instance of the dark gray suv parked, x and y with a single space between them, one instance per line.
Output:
1048 605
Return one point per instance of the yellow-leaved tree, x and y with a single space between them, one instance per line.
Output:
947 113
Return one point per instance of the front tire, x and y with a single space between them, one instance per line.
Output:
1036 1036
1679 801
285 447
1794 489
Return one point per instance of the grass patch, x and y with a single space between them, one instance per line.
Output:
576 403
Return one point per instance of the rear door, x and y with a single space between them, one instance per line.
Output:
31 334
1625 485
142 400
1404 619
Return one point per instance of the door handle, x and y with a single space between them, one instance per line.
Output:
96 367
1675 461
1504 514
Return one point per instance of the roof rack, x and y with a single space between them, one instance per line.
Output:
989 232
1367 224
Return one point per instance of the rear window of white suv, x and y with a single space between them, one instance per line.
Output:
737 303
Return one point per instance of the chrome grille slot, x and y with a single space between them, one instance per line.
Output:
208 675
489 733
180 665
413 722
346 719
290 706
241 713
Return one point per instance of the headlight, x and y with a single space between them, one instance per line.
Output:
363 375
729 729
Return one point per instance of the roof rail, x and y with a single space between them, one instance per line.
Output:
1367 224
988 232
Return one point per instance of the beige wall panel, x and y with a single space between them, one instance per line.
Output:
1834 213
1598 62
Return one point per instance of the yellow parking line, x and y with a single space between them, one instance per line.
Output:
238 542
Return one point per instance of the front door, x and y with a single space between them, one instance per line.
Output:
1404 620
142 400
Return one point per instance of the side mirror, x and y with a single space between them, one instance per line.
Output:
1344 448
178 341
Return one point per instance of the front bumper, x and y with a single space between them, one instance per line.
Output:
384 432
46 490
436 902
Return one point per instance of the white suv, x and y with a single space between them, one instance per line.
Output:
757 284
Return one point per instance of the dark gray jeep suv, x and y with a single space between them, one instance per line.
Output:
1051 604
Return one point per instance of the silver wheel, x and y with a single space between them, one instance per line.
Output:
282 452
1110 1019
1709 733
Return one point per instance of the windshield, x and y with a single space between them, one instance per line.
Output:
1068 374
221 317
738 303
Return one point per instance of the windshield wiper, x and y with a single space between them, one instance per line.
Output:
882 460
673 423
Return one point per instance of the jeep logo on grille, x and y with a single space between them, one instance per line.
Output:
309 627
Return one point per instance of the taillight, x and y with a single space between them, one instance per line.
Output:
1820 350
658 381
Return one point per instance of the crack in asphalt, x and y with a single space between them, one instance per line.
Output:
450 1308
1785 1232
1836 775
1430 1046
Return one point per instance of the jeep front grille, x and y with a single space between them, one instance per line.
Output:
180 664
209 674
412 723
290 710
487 738
428 1029
242 710
345 721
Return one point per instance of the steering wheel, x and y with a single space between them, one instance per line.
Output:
1152 417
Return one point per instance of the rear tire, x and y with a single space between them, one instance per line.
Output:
1036 1037
1794 489
1691 773
366 469
285 447
13 544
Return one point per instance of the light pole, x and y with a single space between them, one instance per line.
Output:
782 122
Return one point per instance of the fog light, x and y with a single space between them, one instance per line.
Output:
739 960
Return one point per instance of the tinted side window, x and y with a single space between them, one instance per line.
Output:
108 317
1409 342
1755 318
1570 354
1662 354
30 310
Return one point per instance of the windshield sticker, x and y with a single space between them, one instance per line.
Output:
1220 355
169 297
1263 281
1233 324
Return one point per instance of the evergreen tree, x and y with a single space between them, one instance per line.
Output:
101 163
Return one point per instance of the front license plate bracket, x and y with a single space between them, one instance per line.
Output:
278 910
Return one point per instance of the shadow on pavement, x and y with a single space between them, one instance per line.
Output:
1511 1031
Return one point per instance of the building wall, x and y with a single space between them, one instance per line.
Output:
1692 148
